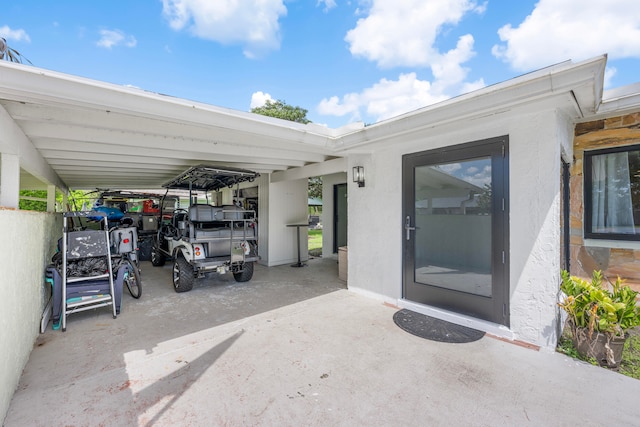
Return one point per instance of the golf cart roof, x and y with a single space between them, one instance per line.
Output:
210 178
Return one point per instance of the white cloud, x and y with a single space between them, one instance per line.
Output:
383 100
403 33
328 4
478 177
609 72
447 68
15 35
111 38
450 168
391 98
558 30
258 99
252 24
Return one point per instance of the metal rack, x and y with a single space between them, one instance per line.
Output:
86 291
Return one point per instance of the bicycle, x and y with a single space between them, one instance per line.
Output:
123 241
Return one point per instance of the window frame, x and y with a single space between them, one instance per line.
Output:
588 191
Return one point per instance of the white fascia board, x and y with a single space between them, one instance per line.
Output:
14 141
619 101
581 82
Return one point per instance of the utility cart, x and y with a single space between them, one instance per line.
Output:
87 280
207 238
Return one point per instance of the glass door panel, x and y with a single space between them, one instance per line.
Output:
453 226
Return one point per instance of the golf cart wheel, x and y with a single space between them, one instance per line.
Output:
183 275
157 259
246 274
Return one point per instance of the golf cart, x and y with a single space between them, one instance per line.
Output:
206 238
142 208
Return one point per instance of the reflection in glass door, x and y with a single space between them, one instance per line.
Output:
455 230
453 226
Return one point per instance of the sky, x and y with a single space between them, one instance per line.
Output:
343 61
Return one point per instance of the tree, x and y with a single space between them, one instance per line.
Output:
75 196
315 187
10 54
282 110
33 205
484 200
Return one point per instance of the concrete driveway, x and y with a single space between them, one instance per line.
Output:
294 347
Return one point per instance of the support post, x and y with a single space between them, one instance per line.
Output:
9 180
51 198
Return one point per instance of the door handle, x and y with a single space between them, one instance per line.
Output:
408 228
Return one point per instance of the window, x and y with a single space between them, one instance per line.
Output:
612 193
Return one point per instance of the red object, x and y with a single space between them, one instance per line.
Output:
147 207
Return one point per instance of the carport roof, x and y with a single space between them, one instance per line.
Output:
95 134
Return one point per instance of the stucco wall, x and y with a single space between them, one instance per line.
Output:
23 257
375 210
535 231
288 201
376 226
614 258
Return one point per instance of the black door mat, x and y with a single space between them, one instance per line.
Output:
434 329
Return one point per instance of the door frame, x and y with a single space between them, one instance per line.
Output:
497 309
337 221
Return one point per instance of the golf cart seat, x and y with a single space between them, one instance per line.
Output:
208 213
205 213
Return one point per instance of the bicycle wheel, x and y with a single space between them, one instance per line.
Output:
132 279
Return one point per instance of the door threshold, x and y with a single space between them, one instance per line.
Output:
495 329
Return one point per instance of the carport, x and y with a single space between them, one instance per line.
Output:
59 132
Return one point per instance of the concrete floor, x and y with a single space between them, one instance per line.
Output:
294 347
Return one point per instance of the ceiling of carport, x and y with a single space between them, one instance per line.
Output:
99 135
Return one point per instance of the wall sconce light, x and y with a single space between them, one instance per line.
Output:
358 175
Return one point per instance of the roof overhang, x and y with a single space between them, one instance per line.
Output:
86 134
618 101
574 88
96 134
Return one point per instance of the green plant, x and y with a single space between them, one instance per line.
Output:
593 308
567 346
630 365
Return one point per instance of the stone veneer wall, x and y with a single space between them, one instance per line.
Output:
616 258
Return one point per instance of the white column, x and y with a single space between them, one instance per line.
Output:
9 180
51 198
288 204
